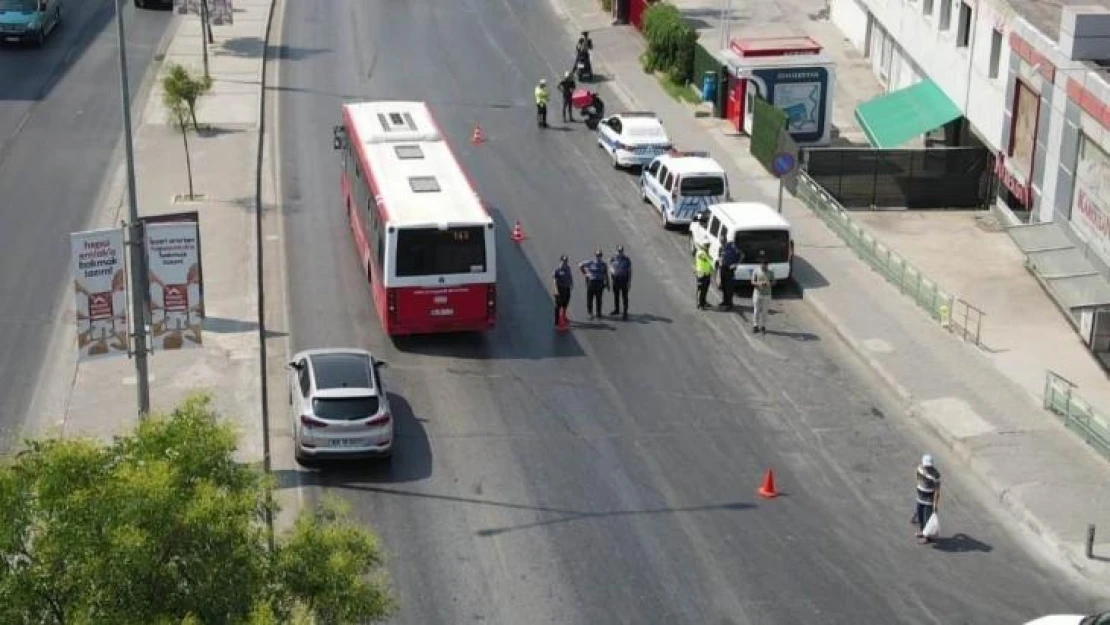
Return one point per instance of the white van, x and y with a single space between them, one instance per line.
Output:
757 229
679 184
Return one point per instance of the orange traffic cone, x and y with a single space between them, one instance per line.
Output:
564 322
477 137
518 232
768 490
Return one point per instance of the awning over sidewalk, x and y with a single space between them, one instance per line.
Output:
1068 276
893 119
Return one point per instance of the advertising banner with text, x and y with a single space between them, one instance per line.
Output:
100 292
176 292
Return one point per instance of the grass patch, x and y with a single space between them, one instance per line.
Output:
682 93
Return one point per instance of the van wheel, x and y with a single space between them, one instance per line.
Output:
643 195
663 219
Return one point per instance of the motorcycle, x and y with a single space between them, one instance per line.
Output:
590 105
583 67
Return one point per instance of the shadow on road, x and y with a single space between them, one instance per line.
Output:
960 543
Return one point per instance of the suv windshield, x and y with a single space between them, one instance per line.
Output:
774 243
703 185
19 5
345 408
434 252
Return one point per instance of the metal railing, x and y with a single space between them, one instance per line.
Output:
1078 415
951 312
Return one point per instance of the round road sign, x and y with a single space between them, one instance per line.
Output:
783 163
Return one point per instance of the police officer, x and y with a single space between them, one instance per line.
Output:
562 281
542 98
566 89
597 280
620 267
703 270
730 257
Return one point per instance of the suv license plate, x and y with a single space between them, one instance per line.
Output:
346 442
443 312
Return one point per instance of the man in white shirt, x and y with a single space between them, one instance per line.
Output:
763 280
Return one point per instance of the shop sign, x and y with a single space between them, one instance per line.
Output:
1092 197
1014 182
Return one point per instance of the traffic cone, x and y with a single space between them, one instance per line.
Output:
477 137
564 322
768 490
518 232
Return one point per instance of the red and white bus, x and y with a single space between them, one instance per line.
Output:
425 239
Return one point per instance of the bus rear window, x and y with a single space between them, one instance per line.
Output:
434 252
774 243
703 185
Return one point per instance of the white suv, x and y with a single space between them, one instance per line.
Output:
338 405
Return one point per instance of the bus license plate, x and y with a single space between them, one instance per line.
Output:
443 312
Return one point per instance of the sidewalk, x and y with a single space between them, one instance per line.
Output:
98 398
1045 477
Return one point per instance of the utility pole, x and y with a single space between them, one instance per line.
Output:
135 232
205 32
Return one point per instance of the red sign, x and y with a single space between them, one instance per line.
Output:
1016 184
100 306
176 298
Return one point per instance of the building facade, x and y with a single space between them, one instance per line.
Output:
1032 79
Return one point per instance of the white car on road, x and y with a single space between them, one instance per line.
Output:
1102 618
633 139
339 408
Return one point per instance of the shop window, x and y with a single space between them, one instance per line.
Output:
963 27
996 52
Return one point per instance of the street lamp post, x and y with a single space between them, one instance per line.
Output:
135 231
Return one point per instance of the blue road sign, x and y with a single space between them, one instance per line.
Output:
783 163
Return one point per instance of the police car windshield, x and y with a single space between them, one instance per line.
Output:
774 243
434 252
703 185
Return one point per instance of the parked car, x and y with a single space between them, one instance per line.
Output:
29 20
339 408
679 184
757 229
1102 618
633 139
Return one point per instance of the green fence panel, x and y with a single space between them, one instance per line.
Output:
767 122
704 61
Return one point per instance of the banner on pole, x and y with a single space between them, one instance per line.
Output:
100 292
176 289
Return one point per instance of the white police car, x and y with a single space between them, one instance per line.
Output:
679 184
633 139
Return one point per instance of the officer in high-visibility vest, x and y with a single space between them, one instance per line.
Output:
703 270
542 98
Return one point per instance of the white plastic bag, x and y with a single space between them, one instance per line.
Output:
932 527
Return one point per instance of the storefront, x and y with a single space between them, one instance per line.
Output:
1015 167
1090 207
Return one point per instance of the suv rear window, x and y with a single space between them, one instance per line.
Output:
345 408
774 243
703 185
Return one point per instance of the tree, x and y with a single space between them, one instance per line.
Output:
180 92
163 526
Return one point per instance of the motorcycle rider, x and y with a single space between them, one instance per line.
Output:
582 55
594 111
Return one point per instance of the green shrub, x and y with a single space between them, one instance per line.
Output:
670 43
607 5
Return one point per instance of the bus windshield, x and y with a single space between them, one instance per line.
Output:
434 252
774 243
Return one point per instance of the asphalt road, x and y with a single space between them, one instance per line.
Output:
607 475
60 124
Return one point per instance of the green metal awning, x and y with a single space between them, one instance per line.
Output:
892 119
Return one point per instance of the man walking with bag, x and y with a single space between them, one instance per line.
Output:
928 497
763 281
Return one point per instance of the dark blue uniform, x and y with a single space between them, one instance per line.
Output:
597 279
730 257
621 267
563 278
